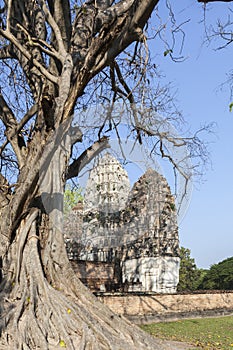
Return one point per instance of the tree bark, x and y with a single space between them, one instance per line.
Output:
43 304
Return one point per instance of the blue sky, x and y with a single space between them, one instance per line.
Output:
207 226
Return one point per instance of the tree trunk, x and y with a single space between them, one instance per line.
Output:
44 305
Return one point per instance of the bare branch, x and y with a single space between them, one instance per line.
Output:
130 97
32 111
76 135
172 161
10 122
15 130
55 28
103 49
3 146
41 43
6 34
106 15
60 10
9 5
143 12
6 115
5 52
115 88
89 154
4 191
131 30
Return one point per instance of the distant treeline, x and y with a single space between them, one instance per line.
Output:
218 277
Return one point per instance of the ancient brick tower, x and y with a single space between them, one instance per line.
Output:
107 187
125 239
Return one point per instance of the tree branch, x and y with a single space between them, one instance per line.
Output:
10 122
173 162
8 20
129 31
37 42
103 48
60 10
55 28
89 21
4 191
6 114
89 154
130 97
5 52
6 34
106 14
32 111
143 12
15 130
76 135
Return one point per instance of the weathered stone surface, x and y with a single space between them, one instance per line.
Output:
156 274
133 230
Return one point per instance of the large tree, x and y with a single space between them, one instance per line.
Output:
54 56
190 276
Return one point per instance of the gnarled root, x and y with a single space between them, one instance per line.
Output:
38 315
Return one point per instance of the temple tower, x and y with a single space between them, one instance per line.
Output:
126 239
108 186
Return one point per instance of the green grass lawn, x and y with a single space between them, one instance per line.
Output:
205 333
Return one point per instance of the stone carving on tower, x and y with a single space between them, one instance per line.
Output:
125 239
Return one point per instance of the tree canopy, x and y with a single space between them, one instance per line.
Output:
219 276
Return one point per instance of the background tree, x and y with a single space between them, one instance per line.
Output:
219 276
189 275
71 197
57 58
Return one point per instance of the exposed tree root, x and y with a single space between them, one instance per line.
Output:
39 315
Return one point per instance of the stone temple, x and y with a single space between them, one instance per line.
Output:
122 239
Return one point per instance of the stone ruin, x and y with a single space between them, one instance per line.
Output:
124 240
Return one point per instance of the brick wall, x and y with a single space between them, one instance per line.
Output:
96 275
156 307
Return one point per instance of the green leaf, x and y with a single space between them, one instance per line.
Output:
230 106
167 52
62 344
71 198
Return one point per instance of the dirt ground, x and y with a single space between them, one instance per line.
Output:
175 345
